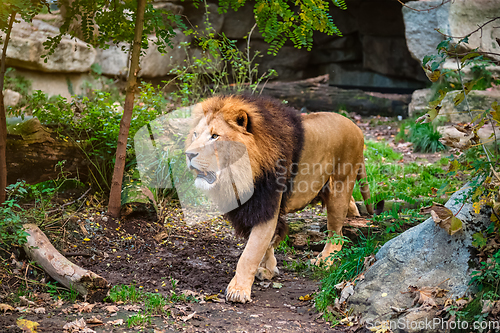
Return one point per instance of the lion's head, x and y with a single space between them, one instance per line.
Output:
237 145
220 148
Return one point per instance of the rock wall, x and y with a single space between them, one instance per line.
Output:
371 54
382 45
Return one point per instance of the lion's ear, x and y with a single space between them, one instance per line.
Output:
242 120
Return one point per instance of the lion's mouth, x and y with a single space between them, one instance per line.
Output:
208 176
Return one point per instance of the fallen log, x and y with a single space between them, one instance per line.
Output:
88 284
316 95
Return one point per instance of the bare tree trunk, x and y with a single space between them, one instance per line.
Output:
85 282
3 117
121 149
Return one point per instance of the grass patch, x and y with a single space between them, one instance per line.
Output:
348 264
126 294
389 178
139 319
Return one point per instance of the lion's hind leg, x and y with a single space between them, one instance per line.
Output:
337 206
268 266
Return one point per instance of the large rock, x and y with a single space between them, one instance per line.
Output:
478 101
156 64
421 36
466 16
26 48
378 18
198 16
290 62
113 61
339 49
11 97
237 24
423 256
64 84
390 56
419 102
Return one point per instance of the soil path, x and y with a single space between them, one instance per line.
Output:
202 258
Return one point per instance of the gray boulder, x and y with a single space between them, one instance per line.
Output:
478 101
421 36
390 56
423 256
26 48
11 97
466 16
114 60
156 64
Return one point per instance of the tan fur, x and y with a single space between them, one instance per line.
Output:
332 154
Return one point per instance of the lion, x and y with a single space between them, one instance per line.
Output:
293 160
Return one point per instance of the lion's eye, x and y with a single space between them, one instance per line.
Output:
214 136
194 135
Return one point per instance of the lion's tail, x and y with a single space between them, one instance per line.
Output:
363 186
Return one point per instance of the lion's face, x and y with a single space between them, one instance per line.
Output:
217 156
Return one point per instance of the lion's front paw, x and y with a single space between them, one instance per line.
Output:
266 274
236 292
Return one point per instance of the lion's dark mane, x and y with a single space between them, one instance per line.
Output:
285 124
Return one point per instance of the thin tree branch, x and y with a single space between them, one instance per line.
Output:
424 10
480 28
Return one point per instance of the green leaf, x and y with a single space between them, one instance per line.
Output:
469 56
479 240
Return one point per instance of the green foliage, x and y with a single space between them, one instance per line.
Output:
379 151
222 67
425 138
93 122
139 319
11 224
488 277
155 303
16 82
483 75
280 20
126 294
57 292
26 8
285 246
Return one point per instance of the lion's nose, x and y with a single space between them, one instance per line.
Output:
190 156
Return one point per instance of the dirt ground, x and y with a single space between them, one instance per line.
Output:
148 253
202 258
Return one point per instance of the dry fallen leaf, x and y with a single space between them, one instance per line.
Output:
305 298
111 308
382 328
39 310
443 217
425 296
77 326
94 320
26 301
27 326
116 322
83 307
134 308
186 318
6 307
58 303
347 291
